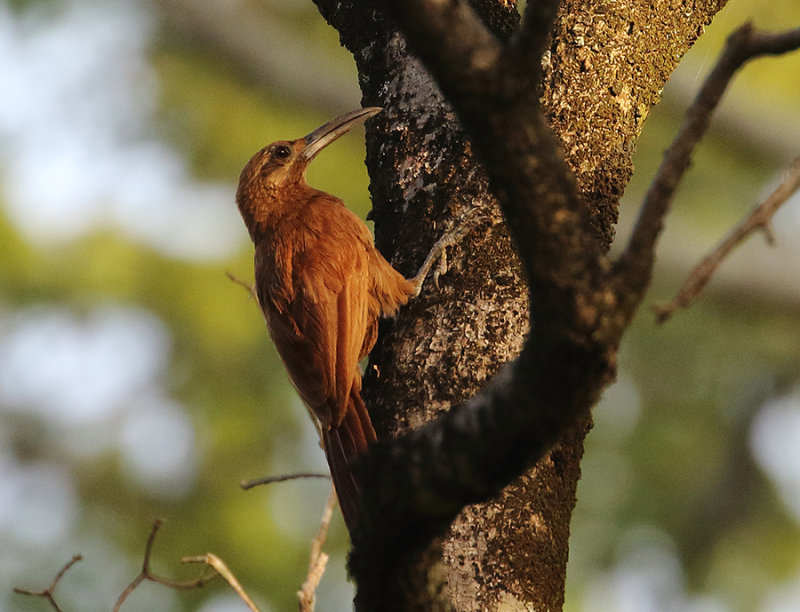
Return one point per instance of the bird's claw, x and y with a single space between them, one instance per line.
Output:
441 268
437 255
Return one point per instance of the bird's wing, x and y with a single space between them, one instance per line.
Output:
319 328
332 286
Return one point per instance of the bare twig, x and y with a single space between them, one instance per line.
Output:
251 289
636 263
318 559
249 484
146 574
758 219
48 592
219 566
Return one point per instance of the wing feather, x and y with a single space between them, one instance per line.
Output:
319 319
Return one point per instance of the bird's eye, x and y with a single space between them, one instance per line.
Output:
282 152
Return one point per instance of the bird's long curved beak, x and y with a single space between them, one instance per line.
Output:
326 134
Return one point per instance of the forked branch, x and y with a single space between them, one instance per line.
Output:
218 565
147 574
47 594
636 263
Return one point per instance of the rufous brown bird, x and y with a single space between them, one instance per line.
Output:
322 286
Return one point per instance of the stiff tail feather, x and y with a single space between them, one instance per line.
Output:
343 443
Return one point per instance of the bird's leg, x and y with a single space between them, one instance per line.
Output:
437 253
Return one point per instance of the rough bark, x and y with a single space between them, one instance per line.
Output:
606 68
606 65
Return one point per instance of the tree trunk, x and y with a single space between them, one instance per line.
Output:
606 66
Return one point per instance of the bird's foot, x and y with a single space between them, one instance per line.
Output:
459 228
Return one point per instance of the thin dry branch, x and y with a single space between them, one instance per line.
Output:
47 593
218 565
250 287
318 560
147 574
249 484
636 263
759 219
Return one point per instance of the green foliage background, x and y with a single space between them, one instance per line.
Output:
674 511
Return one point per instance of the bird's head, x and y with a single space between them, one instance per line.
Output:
271 178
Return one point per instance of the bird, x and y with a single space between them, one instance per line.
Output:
322 286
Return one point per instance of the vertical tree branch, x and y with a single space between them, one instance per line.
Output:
317 558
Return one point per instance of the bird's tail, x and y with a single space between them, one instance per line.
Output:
343 443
